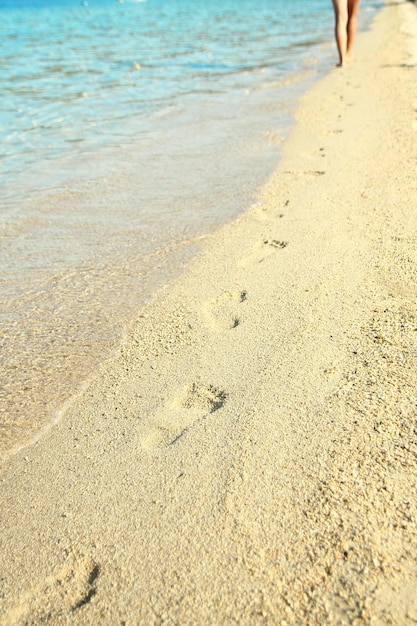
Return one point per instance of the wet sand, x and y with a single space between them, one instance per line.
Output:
250 457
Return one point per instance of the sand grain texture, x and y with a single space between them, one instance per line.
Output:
251 458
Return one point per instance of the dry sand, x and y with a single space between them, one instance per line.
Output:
251 458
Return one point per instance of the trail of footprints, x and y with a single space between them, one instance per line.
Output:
61 596
198 400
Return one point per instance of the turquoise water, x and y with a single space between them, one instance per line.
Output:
75 73
128 131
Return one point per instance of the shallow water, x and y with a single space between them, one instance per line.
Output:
128 132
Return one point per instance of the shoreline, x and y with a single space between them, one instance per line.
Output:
67 313
249 458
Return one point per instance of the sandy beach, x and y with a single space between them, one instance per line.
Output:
251 455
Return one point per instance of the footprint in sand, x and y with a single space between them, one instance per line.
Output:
304 173
223 312
262 250
193 403
60 597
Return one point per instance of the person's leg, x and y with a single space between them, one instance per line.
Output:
341 24
353 6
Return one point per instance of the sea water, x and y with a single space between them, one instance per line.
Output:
128 131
